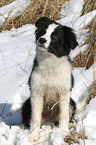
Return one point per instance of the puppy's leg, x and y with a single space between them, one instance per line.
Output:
37 107
64 111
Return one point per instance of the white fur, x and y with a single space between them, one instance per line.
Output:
50 29
51 77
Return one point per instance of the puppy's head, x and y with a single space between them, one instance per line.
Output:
54 38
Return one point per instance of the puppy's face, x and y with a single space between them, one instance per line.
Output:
54 38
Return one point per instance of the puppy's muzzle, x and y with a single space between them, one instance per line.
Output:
40 42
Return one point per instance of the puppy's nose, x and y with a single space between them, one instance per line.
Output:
42 40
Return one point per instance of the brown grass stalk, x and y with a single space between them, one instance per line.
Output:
83 132
57 103
5 2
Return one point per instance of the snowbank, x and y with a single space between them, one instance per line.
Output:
17 52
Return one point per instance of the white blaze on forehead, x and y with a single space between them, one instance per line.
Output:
48 33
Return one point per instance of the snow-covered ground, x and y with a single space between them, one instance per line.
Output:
17 52
13 9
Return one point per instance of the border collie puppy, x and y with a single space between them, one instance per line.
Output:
51 79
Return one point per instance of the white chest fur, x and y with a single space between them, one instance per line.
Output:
52 76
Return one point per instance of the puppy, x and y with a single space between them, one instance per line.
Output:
51 78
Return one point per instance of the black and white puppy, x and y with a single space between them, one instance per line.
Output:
51 79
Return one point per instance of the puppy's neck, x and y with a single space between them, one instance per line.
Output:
42 55
46 57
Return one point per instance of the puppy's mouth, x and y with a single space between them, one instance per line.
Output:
40 45
41 48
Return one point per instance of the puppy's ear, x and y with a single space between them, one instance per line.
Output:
70 41
42 21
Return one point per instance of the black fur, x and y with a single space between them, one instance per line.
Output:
26 113
73 107
34 66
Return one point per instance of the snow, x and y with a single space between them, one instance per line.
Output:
13 66
13 9
82 82
89 121
17 52
71 10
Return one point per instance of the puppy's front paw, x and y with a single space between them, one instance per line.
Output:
34 135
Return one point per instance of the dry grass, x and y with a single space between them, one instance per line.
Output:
5 2
86 59
88 6
74 137
92 92
37 9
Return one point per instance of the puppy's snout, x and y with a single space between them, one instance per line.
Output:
42 40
